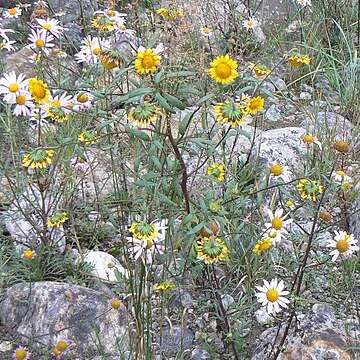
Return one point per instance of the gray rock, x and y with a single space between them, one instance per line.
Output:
322 336
280 145
263 317
181 298
331 124
227 300
104 265
273 113
305 96
199 354
354 218
279 84
82 317
306 88
269 86
174 338
24 220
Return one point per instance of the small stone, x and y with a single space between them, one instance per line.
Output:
269 86
273 113
306 88
305 96
227 300
262 317
6 346
175 337
280 84
199 354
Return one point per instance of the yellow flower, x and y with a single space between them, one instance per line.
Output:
57 219
144 114
259 69
28 254
103 23
298 60
115 304
144 231
147 61
39 90
38 159
262 245
254 105
165 286
309 189
212 250
170 13
61 345
230 113
217 171
110 59
88 137
223 69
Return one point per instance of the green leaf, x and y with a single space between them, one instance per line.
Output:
197 228
166 200
174 101
156 162
179 74
206 98
184 123
99 94
188 90
163 103
104 124
137 133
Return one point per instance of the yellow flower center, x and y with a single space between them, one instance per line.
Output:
148 62
83 98
110 12
272 295
276 169
206 30
264 245
308 138
56 351
289 203
39 43
96 51
28 254
115 304
21 100
61 345
223 71
20 354
277 223
13 87
340 172
39 90
13 11
47 26
149 243
342 246
250 23
56 103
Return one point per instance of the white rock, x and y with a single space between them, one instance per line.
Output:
262 316
104 265
305 96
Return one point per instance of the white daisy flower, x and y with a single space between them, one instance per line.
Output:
13 13
205 31
38 114
304 2
250 24
83 102
145 240
7 45
339 176
91 49
62 101
40 40
3 33
50 25
24 104
345 245
278 171
10 85
271 296
277 223
124 30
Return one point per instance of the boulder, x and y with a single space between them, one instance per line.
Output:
46 311
319 336
104 265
